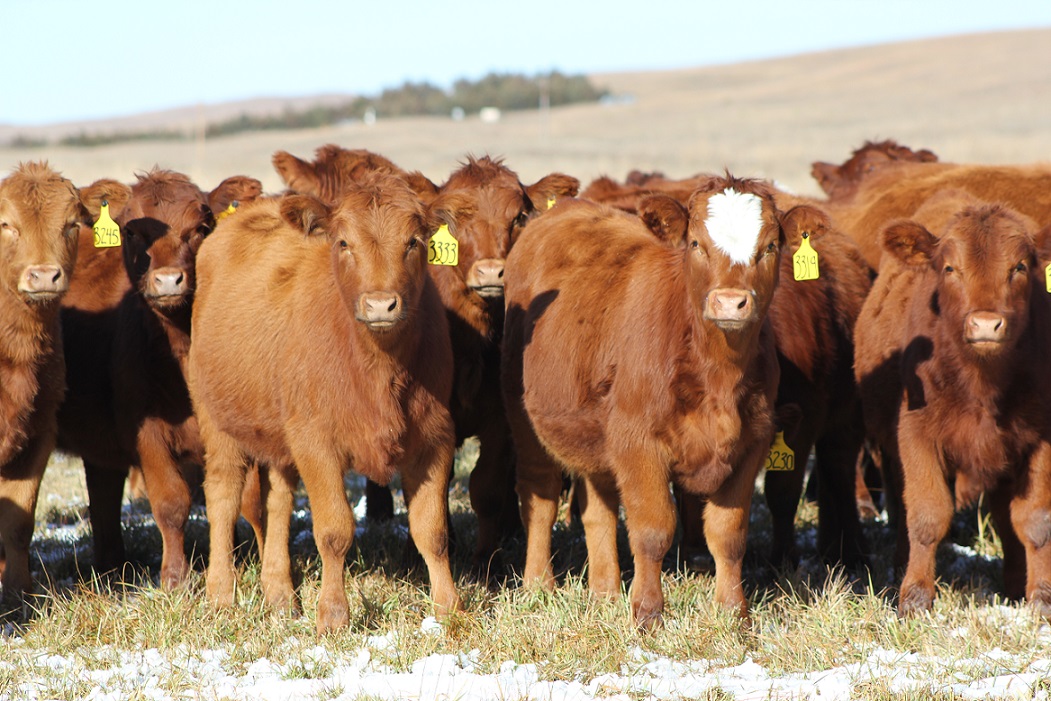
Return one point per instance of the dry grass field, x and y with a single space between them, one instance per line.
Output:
983 98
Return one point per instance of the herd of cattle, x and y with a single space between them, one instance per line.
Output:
651 338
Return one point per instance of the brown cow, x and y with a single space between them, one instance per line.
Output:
813 324
473 295
320 344
950 361
41 214
841 182
632 364
897 192
126 323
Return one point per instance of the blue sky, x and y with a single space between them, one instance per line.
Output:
67 60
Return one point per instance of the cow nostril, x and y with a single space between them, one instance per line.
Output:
743 301
393 305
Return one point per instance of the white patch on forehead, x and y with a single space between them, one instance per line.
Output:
734 222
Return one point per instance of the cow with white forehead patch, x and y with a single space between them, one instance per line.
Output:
631 364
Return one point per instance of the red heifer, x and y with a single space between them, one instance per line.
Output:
633 364
840 182
320 344
498 206
40 217
127 320
813 322
951 349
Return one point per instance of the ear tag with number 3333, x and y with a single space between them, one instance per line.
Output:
107 233
443 249
804 260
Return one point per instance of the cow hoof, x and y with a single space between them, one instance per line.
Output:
647 622
914 601
331 618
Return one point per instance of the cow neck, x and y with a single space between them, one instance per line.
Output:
28 339
175 324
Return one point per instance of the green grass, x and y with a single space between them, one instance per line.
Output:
806 619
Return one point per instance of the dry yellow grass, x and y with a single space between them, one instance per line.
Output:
982 98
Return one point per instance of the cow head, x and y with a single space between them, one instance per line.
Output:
163 225
40 219
499 206
841 181
378 233
733 246
985 264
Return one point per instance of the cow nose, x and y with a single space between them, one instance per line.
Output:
47 279
985 327
380 309
486 277
729 305
167 282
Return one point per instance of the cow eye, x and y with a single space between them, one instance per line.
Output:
413 243
342 244
1020 268
771 248
694 244
949 268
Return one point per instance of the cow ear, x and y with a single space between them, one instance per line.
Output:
424 188
1042 239
296 173
826 174
115 194
910 243
448 208
804 218
304 212
551 188
665 217
237 188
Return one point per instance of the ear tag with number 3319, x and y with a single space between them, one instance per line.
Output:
781 458
804 260
443 249
107 233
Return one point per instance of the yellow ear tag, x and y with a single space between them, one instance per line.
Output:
228 211
804 260
550 202
1047 276
781 458
443 248
107 233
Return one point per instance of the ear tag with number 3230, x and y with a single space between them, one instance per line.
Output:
781 458
804 260
443 249
107 233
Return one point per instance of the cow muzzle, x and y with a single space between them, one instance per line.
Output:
729 308
985 329
43 283
486 277
380 311
167 286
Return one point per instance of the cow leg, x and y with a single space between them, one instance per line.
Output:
598 513
693 547
492 491
650 517
253 497
928 512
539 484
726 529
783 491
322 475
105 486
19 486
840 538
224 479
1014 552
169 496
277 565
425 484
1031 516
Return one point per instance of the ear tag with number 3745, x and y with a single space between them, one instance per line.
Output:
107 233
443 249
804 260
781 458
